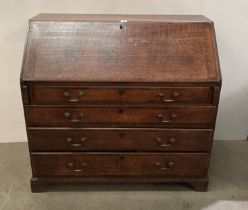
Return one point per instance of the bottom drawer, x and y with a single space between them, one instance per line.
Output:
120 164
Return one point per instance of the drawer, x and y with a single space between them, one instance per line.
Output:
121 95
120 164
200 116
97 139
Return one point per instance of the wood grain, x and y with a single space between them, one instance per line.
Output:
120 98
140 51
119 139
121 95
120 164
127 116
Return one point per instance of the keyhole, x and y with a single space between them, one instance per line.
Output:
121 135
121 26
121 92
121 157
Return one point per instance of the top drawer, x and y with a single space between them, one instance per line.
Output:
120 95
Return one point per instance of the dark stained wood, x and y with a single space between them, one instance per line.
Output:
25 94
120 95
198 116
99 90
147 51
216 95
37 187
199 184
135 139
120 164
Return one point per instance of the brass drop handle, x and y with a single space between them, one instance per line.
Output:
70 141
79 95
68 116
161 118
170 142
72 166
168 166
174 95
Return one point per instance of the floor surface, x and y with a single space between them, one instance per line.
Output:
228 187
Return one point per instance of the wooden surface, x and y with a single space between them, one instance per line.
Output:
120 164
127 116
142 51
120 139
121 95
107 100
118 17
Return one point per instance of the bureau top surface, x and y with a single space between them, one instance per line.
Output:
120 48
118 17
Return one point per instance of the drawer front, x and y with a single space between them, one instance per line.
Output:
198 140
120 164
200 116
120 95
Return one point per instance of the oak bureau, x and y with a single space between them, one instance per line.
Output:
120 98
